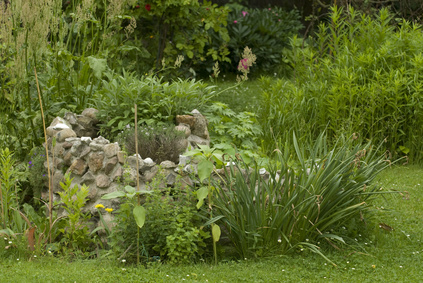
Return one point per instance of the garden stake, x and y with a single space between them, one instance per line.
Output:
138 182
2 208
50 193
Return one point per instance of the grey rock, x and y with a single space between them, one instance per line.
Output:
184 160
64 134
167 164
109 164
196 140
186 119
91 113
67 145
183 128
59 149
57 125
88 178
98 144
57 178
86 140
200 126
148 162
149 174
78 167
111 149
92 192
121 157
76 148
132 162
71 118
131 175
117 173
95 161
68 158
103 181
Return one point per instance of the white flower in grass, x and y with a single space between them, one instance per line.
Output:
123 260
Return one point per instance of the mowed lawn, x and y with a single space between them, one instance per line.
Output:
375 254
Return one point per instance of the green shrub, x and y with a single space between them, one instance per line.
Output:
226 126
265 31
171 231
159 142
308 192
157 101
359 74
75 233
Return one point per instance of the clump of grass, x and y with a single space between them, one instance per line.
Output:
308 193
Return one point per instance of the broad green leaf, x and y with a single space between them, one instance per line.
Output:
201 195
205 168
216 232
130 189
139 215
117 194
97 65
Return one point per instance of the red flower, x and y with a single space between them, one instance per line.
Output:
148 7
137 7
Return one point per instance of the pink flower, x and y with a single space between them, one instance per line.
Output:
279 20
235 22
243 63
270 9
244 13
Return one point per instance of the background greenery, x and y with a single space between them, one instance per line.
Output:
327 99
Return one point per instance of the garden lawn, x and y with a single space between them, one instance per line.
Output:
377 255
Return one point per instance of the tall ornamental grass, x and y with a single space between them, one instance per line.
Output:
359 74
308 193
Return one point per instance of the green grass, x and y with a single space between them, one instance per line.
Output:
244 97
396 255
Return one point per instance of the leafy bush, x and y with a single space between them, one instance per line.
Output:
359 74
265 31
308 192
75 234
157 101
226 126
159 142
171 231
